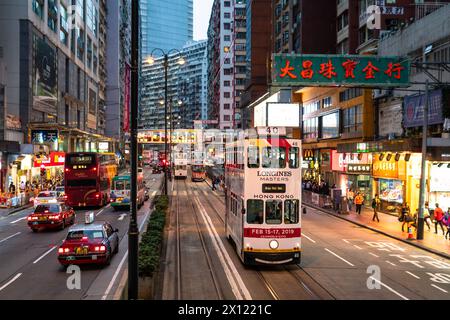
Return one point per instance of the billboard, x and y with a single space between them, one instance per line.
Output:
274 114
44 77
413 109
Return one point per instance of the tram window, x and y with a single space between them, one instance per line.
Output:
274 157
293 157
274 211
255 211
291 209
253 157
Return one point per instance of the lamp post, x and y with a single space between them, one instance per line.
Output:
181 61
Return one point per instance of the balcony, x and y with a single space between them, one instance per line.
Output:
425 9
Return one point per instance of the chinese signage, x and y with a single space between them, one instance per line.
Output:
325 70
340 161
413 109
359 168
44 136
385 169
55 159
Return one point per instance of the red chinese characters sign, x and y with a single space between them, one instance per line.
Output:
52 160
323 70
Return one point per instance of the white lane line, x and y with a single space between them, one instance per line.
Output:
334 254
412 274
15 234
308 238
373 254
10 281
389 288
18 220
122 216
41 257
346 241
439 288
233 276
119 267
357 247
154 193
391 263
205 193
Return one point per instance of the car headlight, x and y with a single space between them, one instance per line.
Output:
273 244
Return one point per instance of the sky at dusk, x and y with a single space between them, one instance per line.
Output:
202 12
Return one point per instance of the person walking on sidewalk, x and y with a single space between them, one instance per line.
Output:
446 221
350 197
426 215
359 199
438 217
406 216
375 204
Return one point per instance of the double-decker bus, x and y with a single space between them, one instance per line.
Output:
198 172
263 197
121 191
88 177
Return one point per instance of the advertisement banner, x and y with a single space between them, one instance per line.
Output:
325 70
413 109
391 190
384 168
439 180
54 159
390 120
92 114
126 100
340 161
44 77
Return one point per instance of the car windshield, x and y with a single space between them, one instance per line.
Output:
90 234
51 208
47 194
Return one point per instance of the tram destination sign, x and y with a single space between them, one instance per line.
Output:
346 70
273 188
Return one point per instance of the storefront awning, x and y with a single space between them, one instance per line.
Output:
401 145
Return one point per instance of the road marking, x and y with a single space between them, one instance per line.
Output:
154 193
412 274
40 258
439 288
233 276
196 192
10 281
357 247
334 254
205 193
346 241
98 213
18 220
122 216
373 254
391 263
111 283
308 238
389 288
15 234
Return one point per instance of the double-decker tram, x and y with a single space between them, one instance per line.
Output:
88 177
198 172
180 162
263 197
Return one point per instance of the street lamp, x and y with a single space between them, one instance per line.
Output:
150 60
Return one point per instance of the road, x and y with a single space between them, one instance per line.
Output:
339 260
29 268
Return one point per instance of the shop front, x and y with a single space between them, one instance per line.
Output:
439 184
310 165
353 171
49 167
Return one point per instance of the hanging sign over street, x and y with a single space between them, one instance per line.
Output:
330 70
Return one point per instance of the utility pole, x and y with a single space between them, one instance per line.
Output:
133 231
423 185
166 65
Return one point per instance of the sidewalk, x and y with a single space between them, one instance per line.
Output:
391 227
4 212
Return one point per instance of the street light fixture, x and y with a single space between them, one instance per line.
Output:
181 61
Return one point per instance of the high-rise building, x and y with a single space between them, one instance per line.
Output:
118 68
227 62
165 24
186 88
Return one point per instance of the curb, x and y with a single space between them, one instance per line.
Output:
19 209
439 253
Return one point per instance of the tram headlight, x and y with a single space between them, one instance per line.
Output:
273 244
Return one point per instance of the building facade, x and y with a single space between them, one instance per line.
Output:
165 24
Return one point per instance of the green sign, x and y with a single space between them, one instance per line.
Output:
331 70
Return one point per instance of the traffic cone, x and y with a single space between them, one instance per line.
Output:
410 233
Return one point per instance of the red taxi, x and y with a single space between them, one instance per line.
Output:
51 216
90 243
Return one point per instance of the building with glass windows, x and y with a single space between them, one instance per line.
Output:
165 24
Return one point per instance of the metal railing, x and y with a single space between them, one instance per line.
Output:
425 9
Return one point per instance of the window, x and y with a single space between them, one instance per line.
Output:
310 128
291 211
91 16
227 26
227 4
89 53
274 157
255 211
326 102
52 15
226 117
253 157
349 94
67 111
80 9
311 107
226 106
226 61
80 44
227 38
64 27
82 183
226 83
274 211
330 126
228 71
342 21
293 157
38 8
226 94
352 119
227 15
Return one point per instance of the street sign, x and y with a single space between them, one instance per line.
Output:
206 121
332 70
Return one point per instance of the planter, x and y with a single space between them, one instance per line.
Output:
147 287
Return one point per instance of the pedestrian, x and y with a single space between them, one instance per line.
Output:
406 216
426 215
359 202
446 221
350 197
438 217
12 188
213 183
375 203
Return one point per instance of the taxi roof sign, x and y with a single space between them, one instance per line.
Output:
89 217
